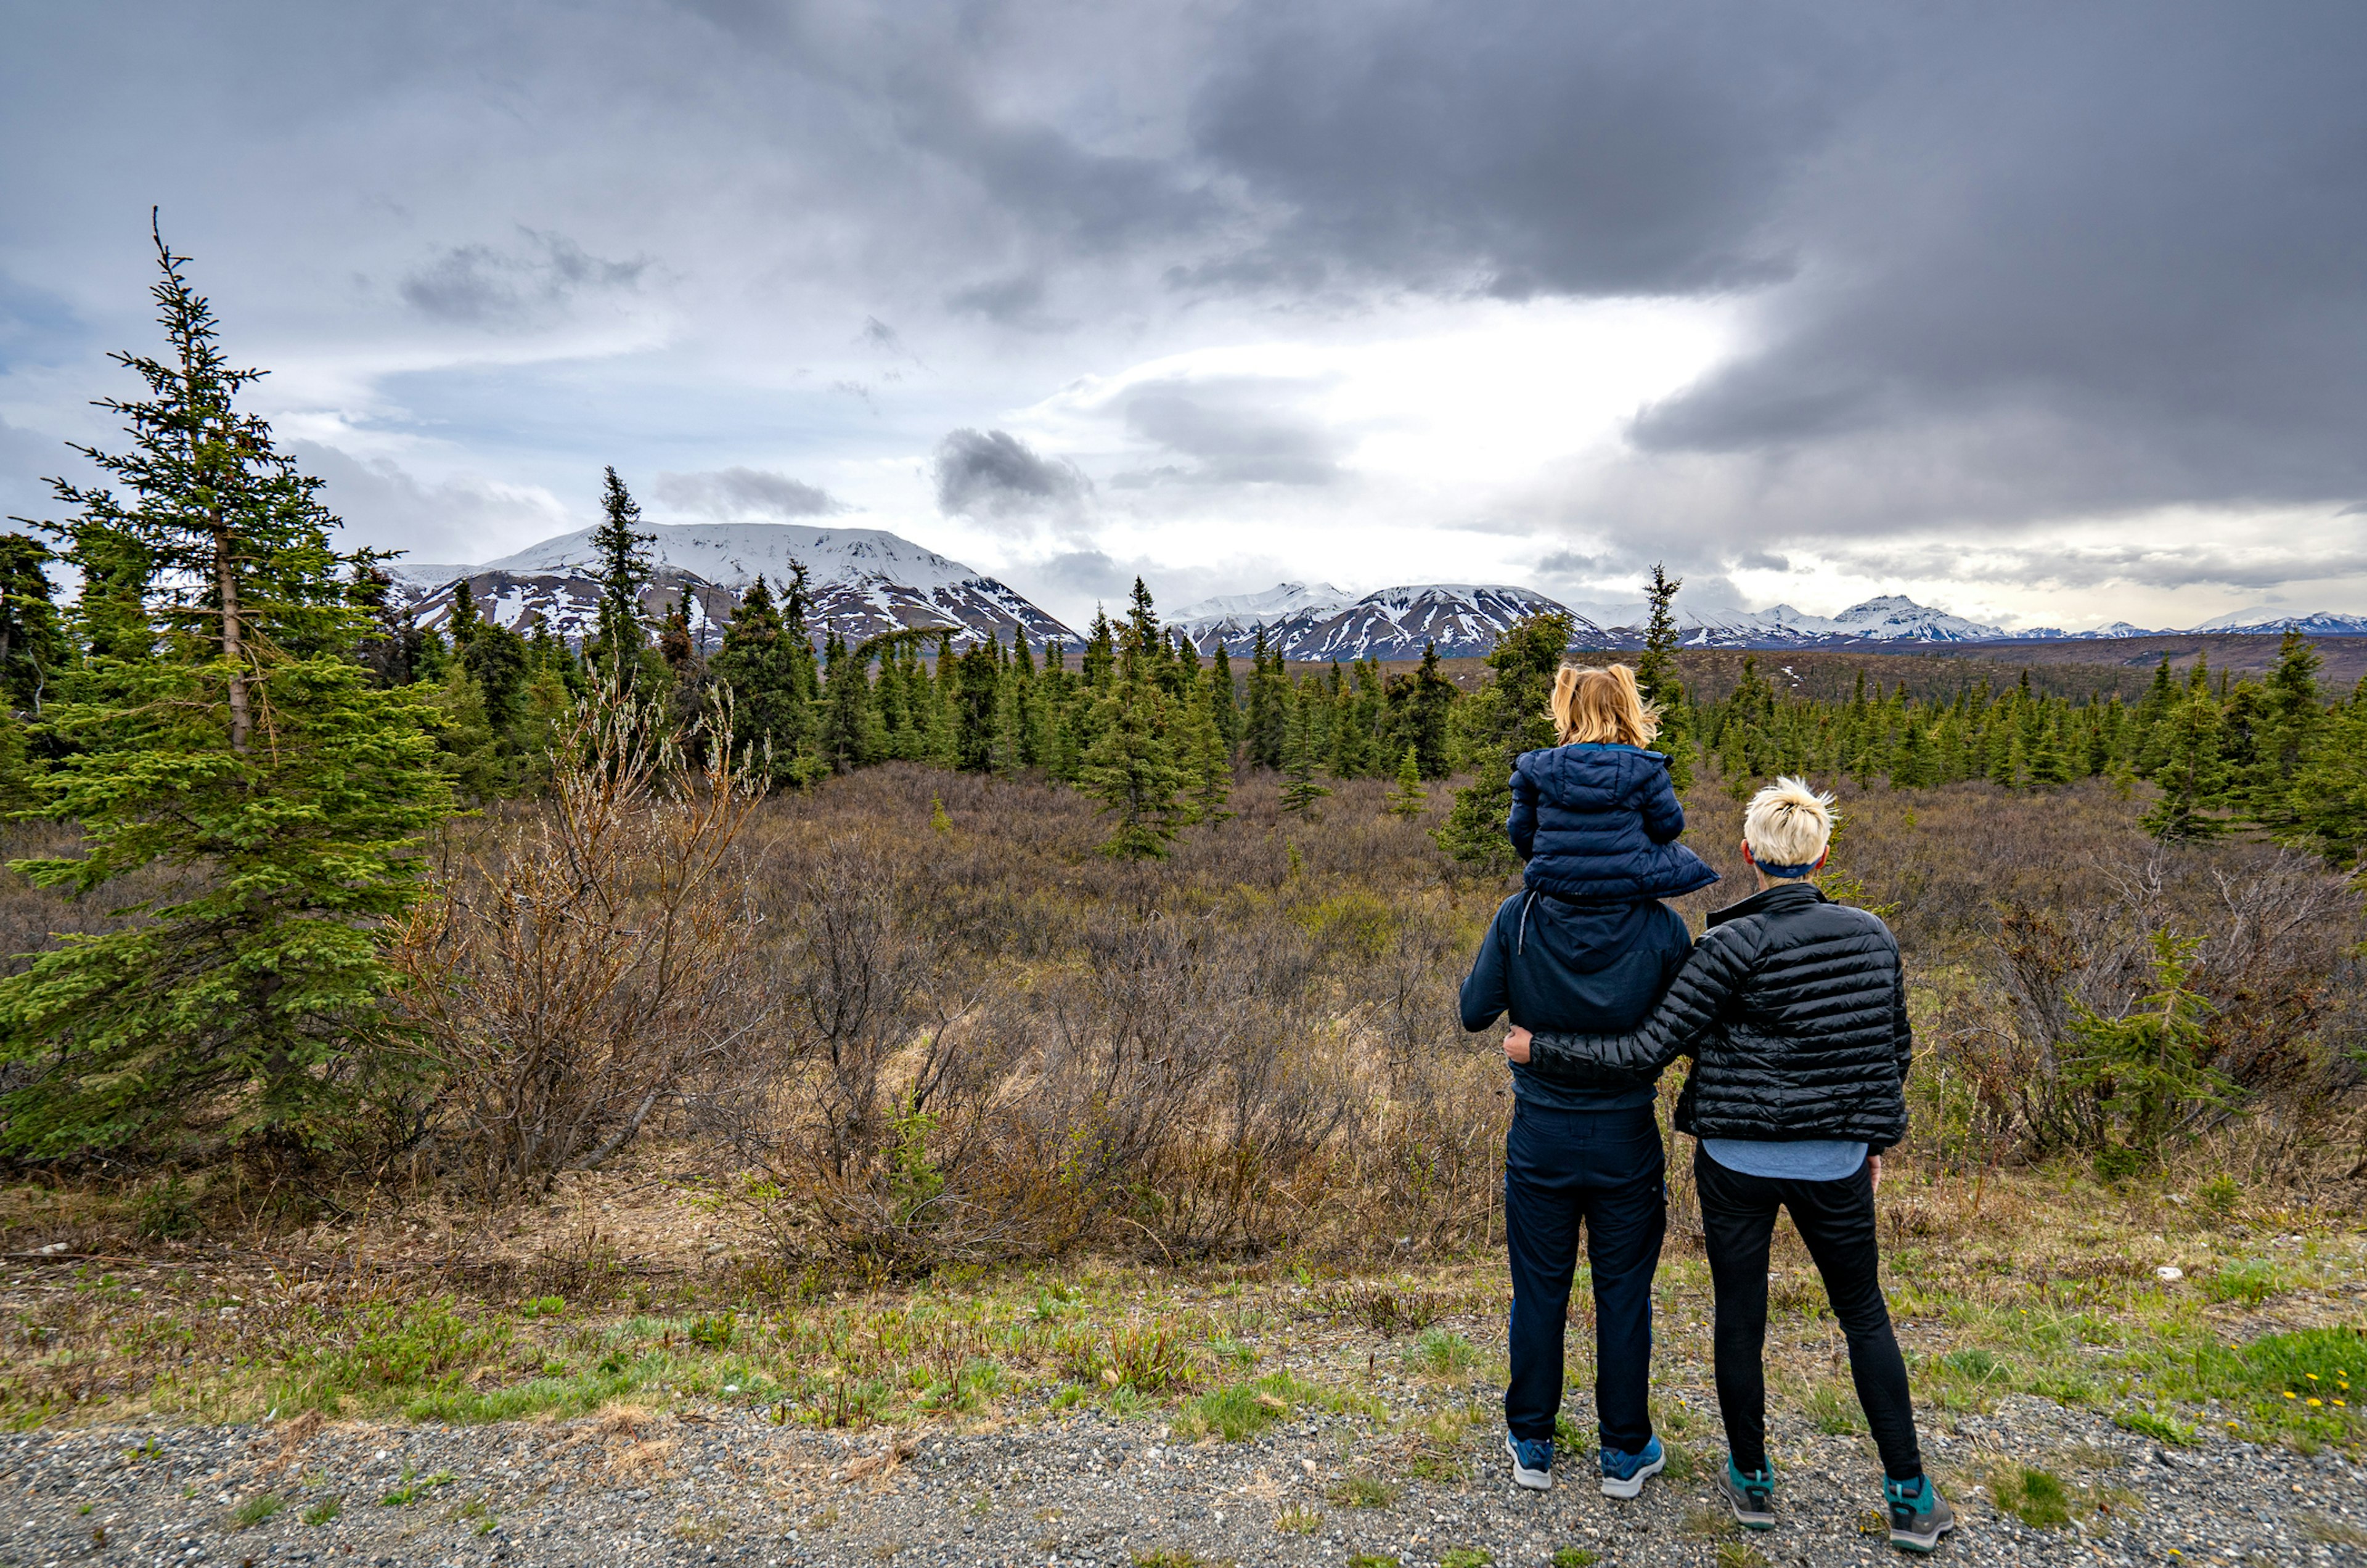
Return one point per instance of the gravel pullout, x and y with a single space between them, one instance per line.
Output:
732 1487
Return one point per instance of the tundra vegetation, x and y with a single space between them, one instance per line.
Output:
914 1032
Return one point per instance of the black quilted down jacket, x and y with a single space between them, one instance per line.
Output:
1796 1011
1598 823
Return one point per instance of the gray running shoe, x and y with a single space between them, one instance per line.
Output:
1752 1497
1918 1515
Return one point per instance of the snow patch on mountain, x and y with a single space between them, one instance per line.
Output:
863 582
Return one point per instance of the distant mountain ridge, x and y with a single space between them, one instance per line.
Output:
863 581
1466 621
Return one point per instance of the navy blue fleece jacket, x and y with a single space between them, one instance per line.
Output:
1549 963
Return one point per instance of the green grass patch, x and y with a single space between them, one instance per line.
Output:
1371 1560
2032 1496
1441 1353
1297 1521
257 1509
2300 1386
1832 1410
1464 1557
2160 1429
1360 1491
1574 1557
325 1511
411 1488
2251 1281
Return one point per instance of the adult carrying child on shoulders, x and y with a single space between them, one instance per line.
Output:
1586 947
1794 1009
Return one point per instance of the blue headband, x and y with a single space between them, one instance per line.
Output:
1789 870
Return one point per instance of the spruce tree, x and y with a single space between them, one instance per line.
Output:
768 664
2050 762
461 623
251 762
848 727
32 644
1655 677
1224 707
1915 765
625 569
2188 774
1409 799
2292 719
2329 791
1302 751
1507 717
1132 770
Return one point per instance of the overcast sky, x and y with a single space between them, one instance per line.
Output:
2046 313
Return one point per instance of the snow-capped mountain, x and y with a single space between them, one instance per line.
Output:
1893 617
1235 617
864 582
2322 624
1465 621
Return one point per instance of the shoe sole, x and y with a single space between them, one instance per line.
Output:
1633 1485
1919 1544
1534 1480
1749 1519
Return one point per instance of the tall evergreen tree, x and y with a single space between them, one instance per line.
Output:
625 569
1507 717
1302 751
2188 774
768 664
32 644
1224 707
1655 677
252 759
1132 770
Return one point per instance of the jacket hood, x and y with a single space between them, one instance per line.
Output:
1583 938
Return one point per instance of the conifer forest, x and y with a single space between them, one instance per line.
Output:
938 959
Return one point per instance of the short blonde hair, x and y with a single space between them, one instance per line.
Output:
1602 705
1789 823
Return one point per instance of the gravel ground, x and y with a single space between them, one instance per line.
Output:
731 1487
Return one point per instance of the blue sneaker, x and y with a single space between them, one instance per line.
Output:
1532 1461
1918 1515
1624 1474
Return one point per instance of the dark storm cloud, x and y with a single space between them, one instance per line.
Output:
992 473
1550 148
522 285
746 492
1240 430
2118 252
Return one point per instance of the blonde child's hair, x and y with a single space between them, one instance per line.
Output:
1591 704
1788 825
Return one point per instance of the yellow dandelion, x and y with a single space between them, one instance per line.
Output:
2340 1406
2291 1394
2316 1402
2311 1376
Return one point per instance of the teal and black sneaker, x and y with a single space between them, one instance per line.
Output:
1532 1461
1918 1515
1623 1474
1752 1497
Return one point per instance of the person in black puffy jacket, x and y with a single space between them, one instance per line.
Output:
1794 1009
1587 945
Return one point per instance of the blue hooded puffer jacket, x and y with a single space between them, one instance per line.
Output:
1597 823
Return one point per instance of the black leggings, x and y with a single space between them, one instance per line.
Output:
1836 1220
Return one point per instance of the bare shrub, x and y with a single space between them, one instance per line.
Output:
582 961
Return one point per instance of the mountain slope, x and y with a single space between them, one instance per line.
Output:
864 582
